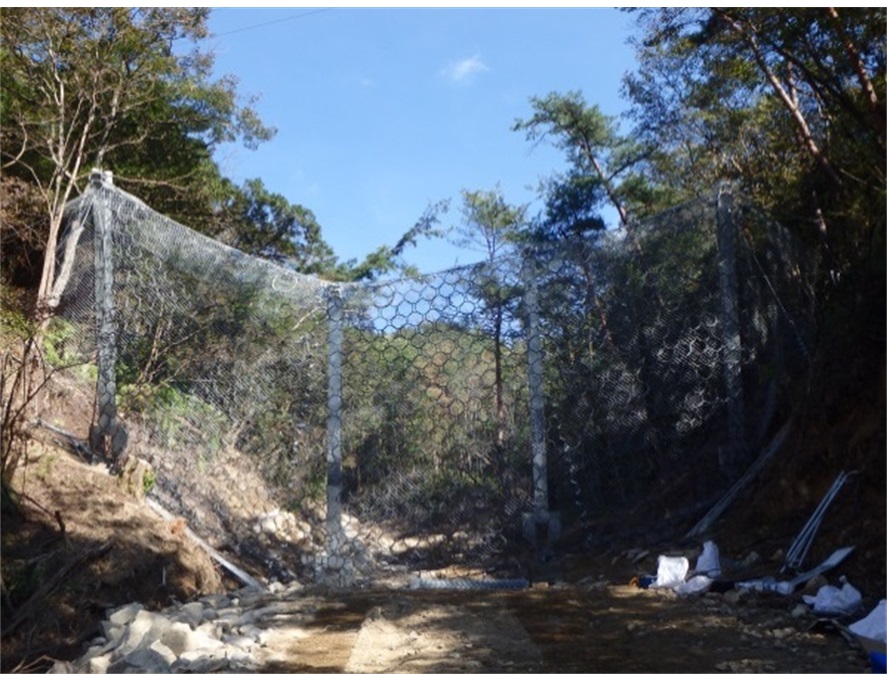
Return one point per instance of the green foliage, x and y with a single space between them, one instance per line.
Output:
58 335
174 412
489 224
599 159
386 259
44 466
14 326
421 409
123 82
53 344
788 103
103 87
267 225
572 208
23 577
149 479
23 374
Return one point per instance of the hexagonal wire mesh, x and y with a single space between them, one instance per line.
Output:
255 391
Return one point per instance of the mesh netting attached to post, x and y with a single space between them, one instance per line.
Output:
344 432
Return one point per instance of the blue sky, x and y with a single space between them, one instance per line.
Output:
381 112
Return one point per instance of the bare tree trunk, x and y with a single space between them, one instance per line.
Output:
808 142
865 82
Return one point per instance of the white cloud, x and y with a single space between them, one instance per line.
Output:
459 71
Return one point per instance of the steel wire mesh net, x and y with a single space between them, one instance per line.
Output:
435 428
259 396
220 373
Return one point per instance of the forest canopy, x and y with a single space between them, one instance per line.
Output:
785 103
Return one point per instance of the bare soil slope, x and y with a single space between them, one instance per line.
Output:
77 545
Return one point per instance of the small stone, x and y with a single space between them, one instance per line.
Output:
97 665
241 641
164 651
217 601
211 630
202 660
251 600
800 611
180 638
732 597
293 588
249 591
751 559
93 652
144 659
192 613
145 629
113 634
239 661
814 584
223 625
125 614
251 617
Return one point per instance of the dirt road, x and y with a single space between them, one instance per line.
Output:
612 628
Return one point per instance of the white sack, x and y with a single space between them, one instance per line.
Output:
874 625
695 585
672 571
709 562
832 600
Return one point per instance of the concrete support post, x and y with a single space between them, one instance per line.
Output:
107 438
335 316
541 527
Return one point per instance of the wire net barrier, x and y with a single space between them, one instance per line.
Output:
435 435
251 389
635 352
220 372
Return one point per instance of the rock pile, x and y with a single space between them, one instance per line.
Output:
217 633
